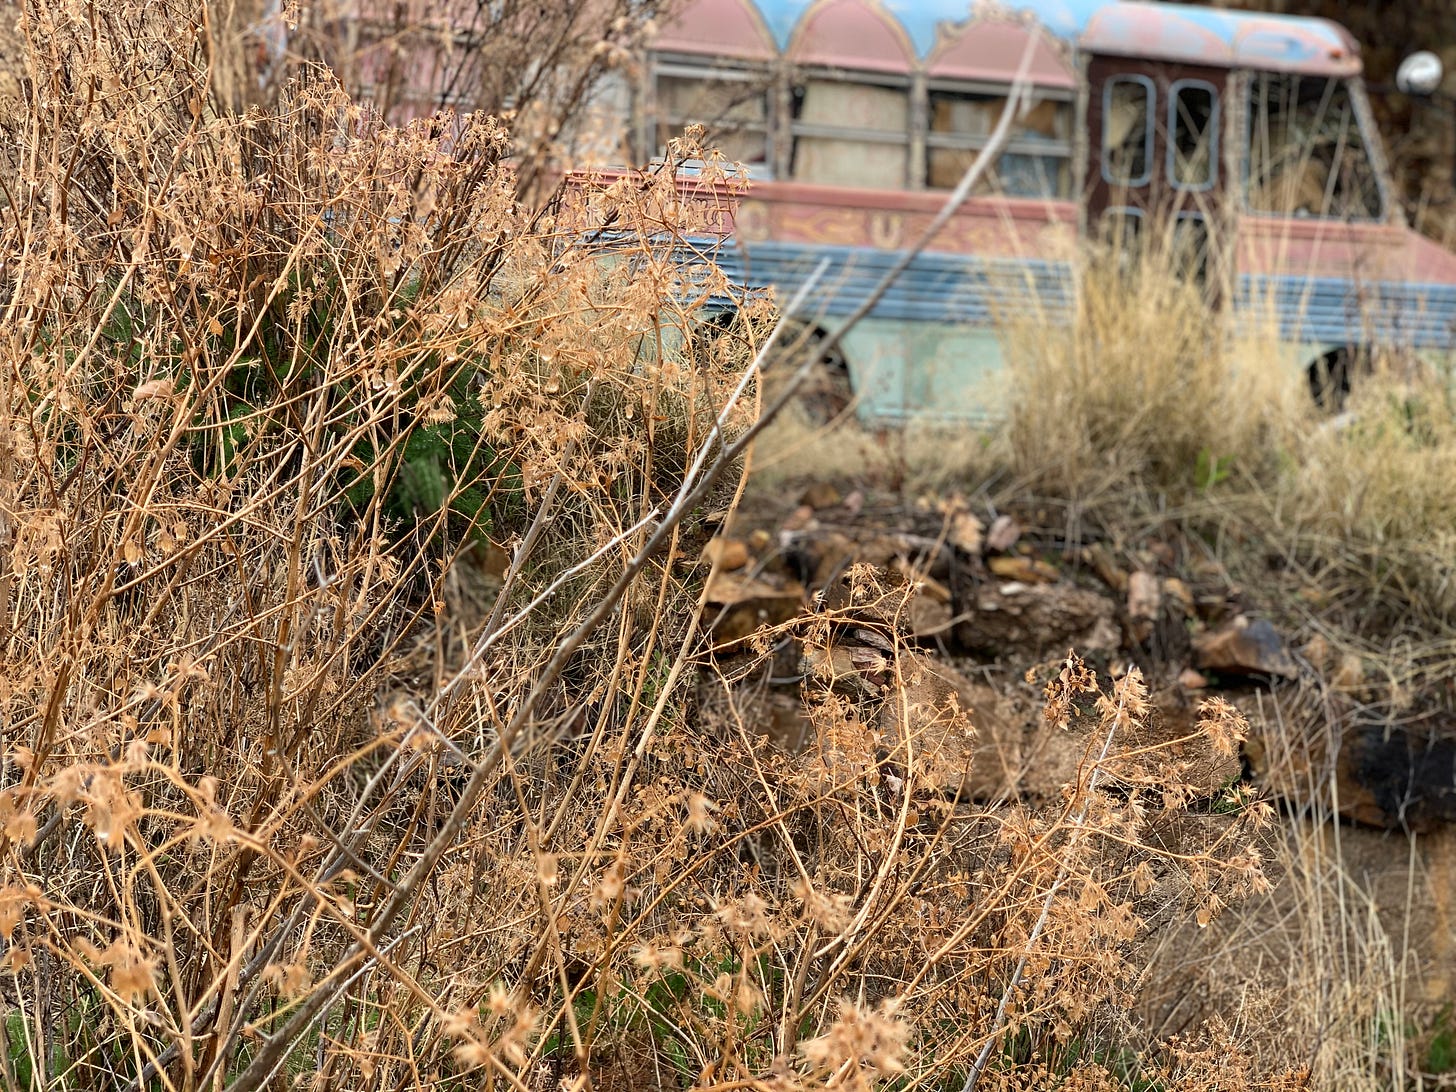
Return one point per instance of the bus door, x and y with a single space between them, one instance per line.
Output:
1155 174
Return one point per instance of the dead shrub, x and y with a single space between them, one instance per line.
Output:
278 806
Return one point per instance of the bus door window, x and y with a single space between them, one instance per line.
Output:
1307 155
849 132
730 104
1190 247
1127 131
1036 162
1193 135
1121 231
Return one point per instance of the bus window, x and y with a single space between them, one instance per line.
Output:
851 134
1193 129
731 105
1190 247
1306 154
1122 231
1127 131
1036 163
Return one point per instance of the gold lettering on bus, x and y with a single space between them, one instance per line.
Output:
887 229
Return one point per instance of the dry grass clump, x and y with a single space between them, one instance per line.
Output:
266 378
1318 958
1144 385
1370 502
1149 407
914 457
989 948
1147 419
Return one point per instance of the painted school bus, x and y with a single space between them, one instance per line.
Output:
1247 138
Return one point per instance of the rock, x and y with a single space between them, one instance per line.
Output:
1385 774
928 615
1098 558
1165 748
798 519
821 495
1244 647
745 603
1028 622
1175 591
1144 603
1192 680
1017 753
926 585
726 553
826 554
966 533
961 739
950 729
929 612
1407 774
856 672
1025 570
1003 534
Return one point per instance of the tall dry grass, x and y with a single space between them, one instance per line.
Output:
1146 384
1371 501
1152 404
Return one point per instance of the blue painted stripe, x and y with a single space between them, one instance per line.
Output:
935 287
923 20
1339 311
965 289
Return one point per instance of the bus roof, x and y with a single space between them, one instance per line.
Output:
904 36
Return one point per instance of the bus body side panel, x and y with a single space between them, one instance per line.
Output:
1329 285
930 346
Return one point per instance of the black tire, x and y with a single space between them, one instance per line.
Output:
1330 377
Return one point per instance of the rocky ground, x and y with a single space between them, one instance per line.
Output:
986 600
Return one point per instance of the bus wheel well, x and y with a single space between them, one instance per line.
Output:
1331 374
825 396
800 337
796 338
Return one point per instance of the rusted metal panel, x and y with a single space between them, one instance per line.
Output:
719 28
1339 311
902 35
949 288
854 34
1208 36
991 51
1157 195
1270 245
832 216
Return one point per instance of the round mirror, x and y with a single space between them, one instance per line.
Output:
1419 74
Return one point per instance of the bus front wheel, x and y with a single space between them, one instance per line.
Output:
1330 377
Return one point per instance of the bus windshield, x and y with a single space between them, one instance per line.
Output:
1307 152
